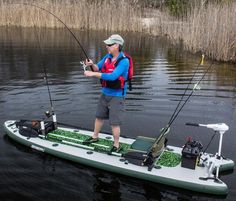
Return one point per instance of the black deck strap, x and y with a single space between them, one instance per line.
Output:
213 178
149 161
135 157
139 158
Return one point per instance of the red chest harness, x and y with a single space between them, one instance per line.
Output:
108 67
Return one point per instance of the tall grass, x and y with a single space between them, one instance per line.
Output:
80 14
210 29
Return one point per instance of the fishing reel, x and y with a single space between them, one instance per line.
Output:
48 113
83 65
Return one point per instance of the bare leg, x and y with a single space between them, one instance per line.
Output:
97 127
116 135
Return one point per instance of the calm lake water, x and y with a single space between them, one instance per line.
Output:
162 73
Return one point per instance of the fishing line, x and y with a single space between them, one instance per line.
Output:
213 136
172 120
44 69
70 31
177 109
49 12
176 113
185 91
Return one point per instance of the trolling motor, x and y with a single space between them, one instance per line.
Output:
221 128
213 162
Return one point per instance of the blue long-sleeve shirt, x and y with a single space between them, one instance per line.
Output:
120 70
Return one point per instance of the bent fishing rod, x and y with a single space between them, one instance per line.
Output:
44 68
55 16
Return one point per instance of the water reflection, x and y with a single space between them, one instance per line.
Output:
162 72
121 188
105 188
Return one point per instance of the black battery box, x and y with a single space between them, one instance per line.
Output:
190 154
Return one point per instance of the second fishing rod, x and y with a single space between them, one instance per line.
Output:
150 154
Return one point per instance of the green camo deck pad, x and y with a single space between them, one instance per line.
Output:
169 159
76 138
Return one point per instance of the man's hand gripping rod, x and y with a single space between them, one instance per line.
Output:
85 67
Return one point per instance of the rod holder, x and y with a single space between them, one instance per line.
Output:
54 118
42 125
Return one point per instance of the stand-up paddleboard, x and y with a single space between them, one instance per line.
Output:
144 158
187 167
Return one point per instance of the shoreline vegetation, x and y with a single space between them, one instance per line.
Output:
205 26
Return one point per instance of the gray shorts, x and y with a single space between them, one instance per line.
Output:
112 108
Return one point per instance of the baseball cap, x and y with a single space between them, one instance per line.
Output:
115 38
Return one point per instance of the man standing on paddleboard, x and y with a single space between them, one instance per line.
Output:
112 69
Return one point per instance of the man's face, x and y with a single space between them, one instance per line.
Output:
112 48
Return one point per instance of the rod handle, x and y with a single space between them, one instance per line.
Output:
91 67
191 124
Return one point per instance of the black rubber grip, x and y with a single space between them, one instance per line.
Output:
91 68
191 124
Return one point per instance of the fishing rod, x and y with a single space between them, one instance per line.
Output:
55 16
150 157
47 113
177 110
185 91
44 70
194 88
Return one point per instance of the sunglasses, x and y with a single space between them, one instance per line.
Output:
111 44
